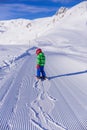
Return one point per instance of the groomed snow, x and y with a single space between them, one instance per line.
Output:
58 103
55 104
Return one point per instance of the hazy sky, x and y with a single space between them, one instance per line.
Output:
32 9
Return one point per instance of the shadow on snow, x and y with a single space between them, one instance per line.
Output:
69 74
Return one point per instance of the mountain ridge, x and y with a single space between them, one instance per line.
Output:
23 31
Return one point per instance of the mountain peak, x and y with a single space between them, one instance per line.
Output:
61 11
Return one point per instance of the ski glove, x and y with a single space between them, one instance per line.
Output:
38 66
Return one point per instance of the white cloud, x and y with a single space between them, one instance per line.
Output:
33 9
12 10
62 1
23 8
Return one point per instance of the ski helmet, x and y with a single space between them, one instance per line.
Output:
38 51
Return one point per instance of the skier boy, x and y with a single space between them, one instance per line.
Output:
40 64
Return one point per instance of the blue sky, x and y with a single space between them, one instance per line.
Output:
32 9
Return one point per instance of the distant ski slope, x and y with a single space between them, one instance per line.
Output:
59 103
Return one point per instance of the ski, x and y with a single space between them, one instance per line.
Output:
41 78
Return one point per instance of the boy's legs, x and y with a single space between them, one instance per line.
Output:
38 72
42 71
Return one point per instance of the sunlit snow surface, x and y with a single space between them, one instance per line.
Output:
59 103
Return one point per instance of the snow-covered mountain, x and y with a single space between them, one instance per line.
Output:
22 31
59 103
77 16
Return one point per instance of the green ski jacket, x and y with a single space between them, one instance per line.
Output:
41 59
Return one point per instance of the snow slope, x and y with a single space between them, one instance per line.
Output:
21 100
58 103
55 104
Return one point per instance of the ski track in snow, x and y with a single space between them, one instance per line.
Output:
24 106
42 106
9 97
56 104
